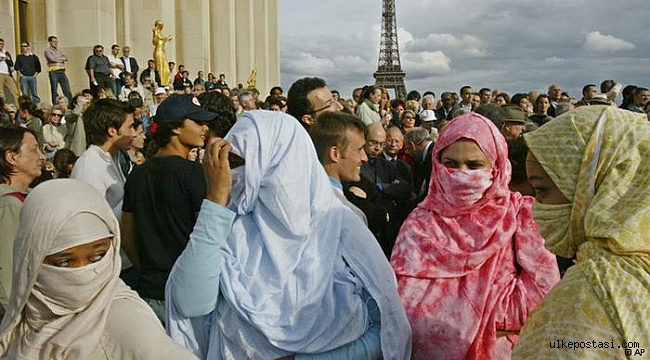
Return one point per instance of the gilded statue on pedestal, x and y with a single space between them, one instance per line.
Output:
159 56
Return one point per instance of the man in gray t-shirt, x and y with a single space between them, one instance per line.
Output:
99 73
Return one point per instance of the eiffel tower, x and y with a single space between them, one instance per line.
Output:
389 73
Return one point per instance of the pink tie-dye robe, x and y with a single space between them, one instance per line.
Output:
466 273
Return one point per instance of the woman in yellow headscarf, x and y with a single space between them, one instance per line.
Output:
591 172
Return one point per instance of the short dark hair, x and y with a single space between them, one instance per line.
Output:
586 87
275 88
30 106
221 105
51 37
297 103
516 98
63 158
397 102
607 85
369 91
115 46
505 97
101 115
464 88
539 98
274 101
331 130
485 90
11 139
413 95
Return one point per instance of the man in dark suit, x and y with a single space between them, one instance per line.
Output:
392 151
447 106
395 190
152 73
130 64
420 147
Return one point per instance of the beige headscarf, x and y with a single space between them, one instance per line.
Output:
599 160
61 313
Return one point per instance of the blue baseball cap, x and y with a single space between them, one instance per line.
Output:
181 107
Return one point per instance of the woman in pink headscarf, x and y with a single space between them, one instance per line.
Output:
469 260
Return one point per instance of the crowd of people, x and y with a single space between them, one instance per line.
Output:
192 219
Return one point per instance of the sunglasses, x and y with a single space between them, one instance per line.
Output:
235 160
57 114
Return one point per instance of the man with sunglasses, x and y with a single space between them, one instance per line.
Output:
28 66
98 67
308 97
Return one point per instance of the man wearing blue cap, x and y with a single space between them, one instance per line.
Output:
163 196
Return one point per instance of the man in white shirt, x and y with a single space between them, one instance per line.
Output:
109 129
117 66
6 78
339 141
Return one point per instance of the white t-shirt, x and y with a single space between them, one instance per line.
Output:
115 60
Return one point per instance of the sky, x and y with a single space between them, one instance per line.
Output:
514 45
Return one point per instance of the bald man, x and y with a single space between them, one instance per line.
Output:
554 95
393 150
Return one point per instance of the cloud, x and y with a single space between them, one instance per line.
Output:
553 60
424 64
597 42
520 47
307 63
463 45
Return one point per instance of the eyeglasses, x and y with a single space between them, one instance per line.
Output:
328 105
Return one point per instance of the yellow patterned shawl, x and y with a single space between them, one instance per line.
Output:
599 157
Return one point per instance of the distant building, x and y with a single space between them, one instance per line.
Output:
219 36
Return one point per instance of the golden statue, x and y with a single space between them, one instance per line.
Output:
159 56
252 79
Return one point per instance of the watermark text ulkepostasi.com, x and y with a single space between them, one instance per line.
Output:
631 348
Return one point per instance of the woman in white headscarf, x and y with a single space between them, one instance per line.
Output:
286 270
67 301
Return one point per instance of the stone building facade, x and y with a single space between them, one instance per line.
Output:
220 36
